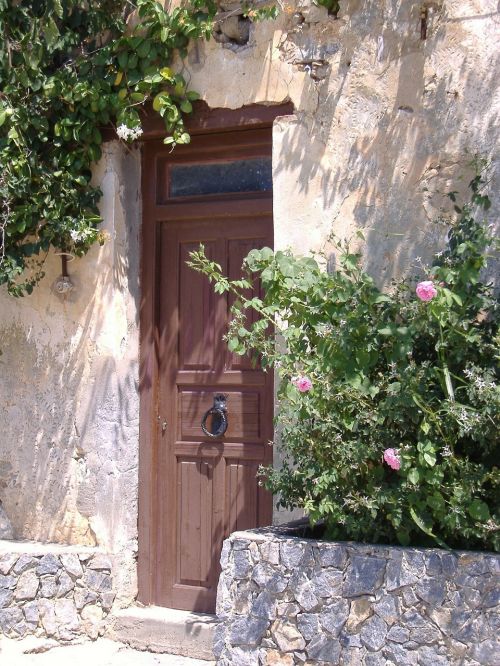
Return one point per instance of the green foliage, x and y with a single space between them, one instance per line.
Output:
388 372
67 70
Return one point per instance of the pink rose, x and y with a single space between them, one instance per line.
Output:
426 290
304 384
392 458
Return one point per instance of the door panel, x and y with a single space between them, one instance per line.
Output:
204 487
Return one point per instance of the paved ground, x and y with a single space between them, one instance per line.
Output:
102 652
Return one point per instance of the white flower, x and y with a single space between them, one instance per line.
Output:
123 132
75 235
129 133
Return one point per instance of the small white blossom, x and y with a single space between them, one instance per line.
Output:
129 133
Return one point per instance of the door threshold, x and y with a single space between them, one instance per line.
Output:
158 629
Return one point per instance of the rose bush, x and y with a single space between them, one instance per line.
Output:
389 406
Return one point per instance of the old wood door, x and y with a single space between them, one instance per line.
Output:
216 191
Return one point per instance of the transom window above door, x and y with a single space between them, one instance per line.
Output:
221 177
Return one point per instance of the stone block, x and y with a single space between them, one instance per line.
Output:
332 555
107 599
388 609
398 634
82 597
432 591
291 554
374 659
92 617
9 617
333 617
361 610
308 625
48 616
303 592
31 612
242 563
8 582
97 581
100 562
64 584
264 606
364 575
373 633
27 585
274 658
492 598
71 562
48 587
425 635
7 561
270 552
322 648
248 630
66 615
399 575
6 597
24 563
48 564
487 653
428 656
287 636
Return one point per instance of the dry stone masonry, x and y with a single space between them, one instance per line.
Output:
54 591
284 601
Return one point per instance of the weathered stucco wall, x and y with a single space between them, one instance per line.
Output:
387 131
383 126
68 389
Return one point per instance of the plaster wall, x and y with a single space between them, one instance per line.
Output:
384 125
68 389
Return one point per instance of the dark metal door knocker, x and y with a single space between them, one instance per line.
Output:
218 412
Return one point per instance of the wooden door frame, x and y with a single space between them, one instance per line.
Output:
203 121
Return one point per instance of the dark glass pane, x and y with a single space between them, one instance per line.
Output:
252 175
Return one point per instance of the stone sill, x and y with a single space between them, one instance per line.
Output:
9 547
286 532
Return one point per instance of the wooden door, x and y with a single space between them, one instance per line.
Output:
216 191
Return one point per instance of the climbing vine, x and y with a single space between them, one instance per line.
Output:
68 70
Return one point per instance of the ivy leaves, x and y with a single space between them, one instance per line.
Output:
67 70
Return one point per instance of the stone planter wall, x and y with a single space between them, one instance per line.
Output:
54 591
284 600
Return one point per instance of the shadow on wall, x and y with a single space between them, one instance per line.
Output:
395 131
68 387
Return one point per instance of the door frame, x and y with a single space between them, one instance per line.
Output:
203 121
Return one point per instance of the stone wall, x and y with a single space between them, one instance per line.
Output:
53 591
285 601
384 125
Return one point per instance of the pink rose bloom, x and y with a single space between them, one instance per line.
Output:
426 290
304 384
392 458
